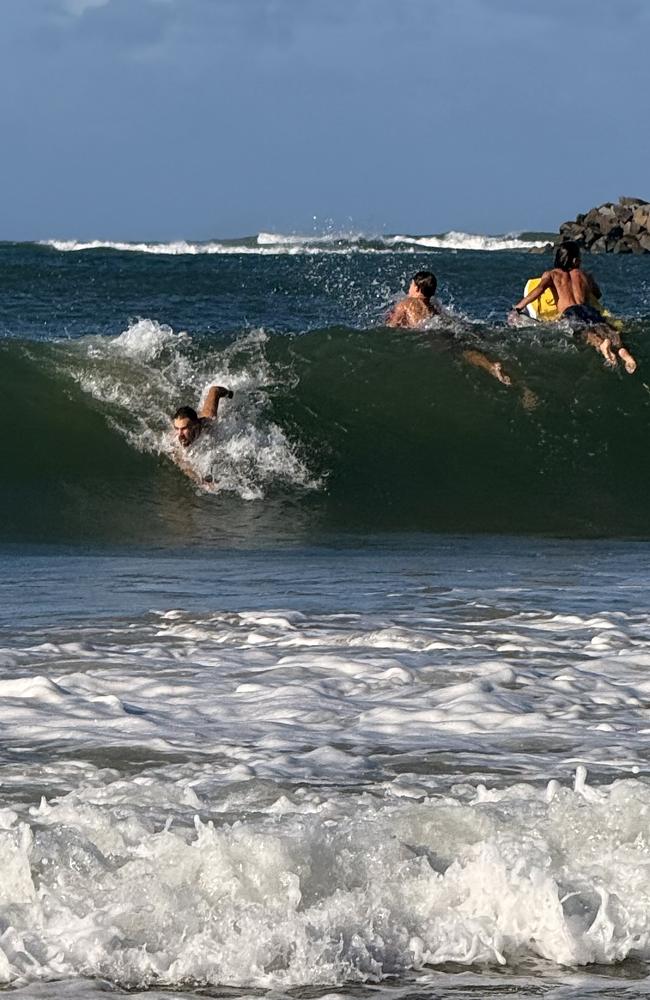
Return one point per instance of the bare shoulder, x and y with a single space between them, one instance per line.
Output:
398 314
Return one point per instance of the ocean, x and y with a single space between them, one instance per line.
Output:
367 715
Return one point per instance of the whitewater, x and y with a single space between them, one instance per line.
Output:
339 790
367 715
316 244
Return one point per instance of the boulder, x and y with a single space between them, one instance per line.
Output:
632 228
628 244
571 230
593 217
611 228
641 216
589 236
600 245
644 241
623 213
633 202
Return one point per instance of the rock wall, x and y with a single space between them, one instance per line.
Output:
612 228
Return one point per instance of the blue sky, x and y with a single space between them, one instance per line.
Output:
162 119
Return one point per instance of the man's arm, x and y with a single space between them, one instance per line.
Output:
211 405
545 282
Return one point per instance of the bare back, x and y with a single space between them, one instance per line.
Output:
570 288
411 312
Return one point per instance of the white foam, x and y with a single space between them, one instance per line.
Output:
469 241
320 682
141 376
295 239
317 888
282 798
311 244
290 246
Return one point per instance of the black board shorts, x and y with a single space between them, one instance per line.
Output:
580 317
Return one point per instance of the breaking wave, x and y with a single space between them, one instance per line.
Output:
328 243
370 429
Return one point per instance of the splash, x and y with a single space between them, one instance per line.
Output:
147 371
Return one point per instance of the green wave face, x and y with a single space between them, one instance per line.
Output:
329 431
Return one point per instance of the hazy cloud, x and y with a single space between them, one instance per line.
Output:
79 7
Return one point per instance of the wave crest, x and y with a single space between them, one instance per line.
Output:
319 243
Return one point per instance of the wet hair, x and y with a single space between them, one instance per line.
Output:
567 256
426 283
186 412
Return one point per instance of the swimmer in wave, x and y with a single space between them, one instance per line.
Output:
189 426
419 305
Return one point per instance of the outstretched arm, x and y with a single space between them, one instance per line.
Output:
211 405
537 292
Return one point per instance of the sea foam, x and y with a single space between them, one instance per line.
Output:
312 887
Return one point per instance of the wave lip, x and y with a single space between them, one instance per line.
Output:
454 240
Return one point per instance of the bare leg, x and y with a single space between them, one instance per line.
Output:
602 343
494 368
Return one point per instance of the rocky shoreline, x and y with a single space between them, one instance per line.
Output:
622 227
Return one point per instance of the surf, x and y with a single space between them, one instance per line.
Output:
331 242
354 429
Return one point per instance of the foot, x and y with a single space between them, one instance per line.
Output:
499 373
223 393
628 361
607 352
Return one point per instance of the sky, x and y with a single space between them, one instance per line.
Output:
195 119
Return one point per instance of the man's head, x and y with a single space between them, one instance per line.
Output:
423 284
187 425
567 256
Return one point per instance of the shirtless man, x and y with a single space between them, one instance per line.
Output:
574 290
419 306
188 424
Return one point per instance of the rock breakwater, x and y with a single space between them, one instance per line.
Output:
621 227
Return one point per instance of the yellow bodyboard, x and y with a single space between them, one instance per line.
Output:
545 307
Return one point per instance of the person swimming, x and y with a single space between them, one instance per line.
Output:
189 425
575 291
419 305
